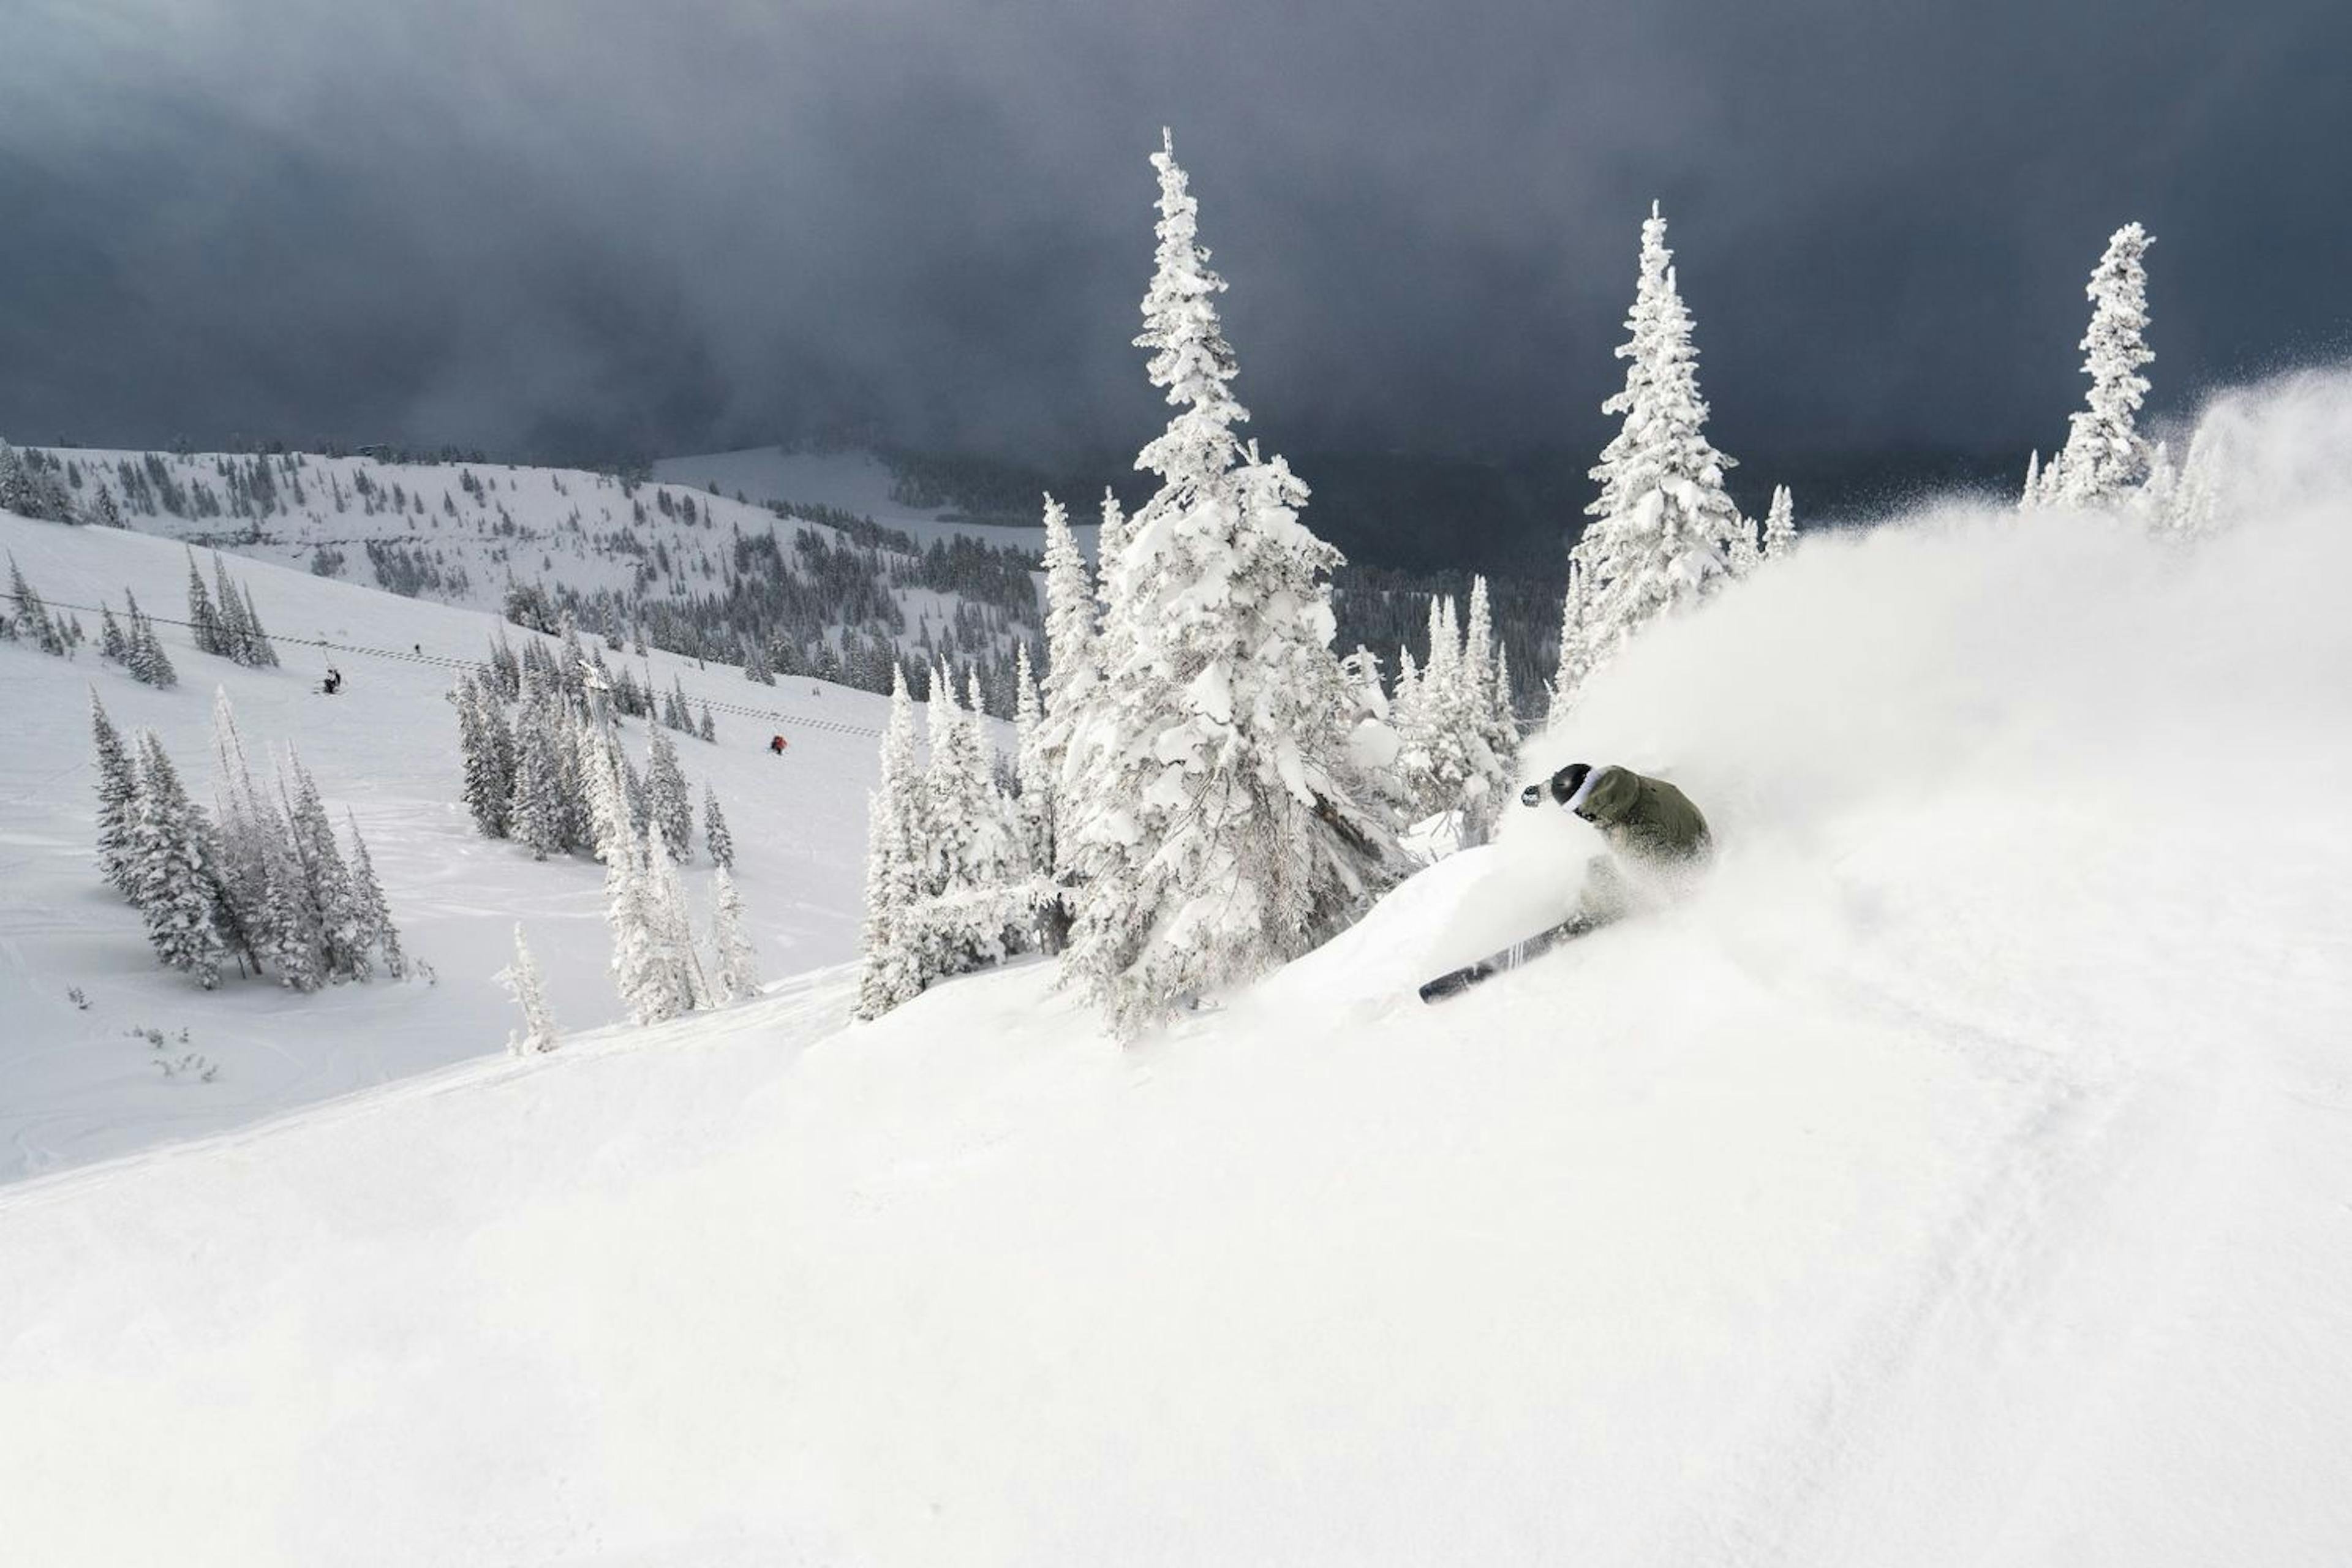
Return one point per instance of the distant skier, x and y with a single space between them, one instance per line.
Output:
333 682
776 744
1658 840
1656 833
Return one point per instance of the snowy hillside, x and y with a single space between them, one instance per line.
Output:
1962 1178
693 571
74 1086
851 481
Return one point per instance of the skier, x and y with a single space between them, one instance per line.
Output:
776 744
1658 839
1650 824
333 682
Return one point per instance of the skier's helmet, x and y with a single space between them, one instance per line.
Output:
1562 786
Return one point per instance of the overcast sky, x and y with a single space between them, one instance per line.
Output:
550 225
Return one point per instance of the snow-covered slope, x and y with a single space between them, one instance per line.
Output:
462 533
74 1086
1962 1178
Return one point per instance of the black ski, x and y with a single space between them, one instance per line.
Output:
1455 982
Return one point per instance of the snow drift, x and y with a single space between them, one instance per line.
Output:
1960 1177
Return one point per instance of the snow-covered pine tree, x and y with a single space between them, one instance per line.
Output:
118 802
1575 644
887 973
1430 759
2030 496
962 841
1503 727
342 928
672 925
1664 529
1779 524
203 621
149 664
484 784
2105 456
668 797
1746 548
645 966
706 730
172 881
16 489
231 631
1110 544
259 651
537 814
103 512
755 662
1404 702
1217 832
375 914
1486 718
520 978
715 837
1070 670
244 824
639 798
736 972
1033 767
111 643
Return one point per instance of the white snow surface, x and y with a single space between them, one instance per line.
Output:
1964 1175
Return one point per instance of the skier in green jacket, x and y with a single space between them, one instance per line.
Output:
1660 841
1659 837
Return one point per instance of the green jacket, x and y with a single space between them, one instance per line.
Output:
1644 818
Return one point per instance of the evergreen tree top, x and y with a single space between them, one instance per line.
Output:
1190 360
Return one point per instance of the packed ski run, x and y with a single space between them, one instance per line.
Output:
1929 1148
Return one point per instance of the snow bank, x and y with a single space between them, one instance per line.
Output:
1959 1178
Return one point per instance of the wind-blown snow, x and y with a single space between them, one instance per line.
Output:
1962 1176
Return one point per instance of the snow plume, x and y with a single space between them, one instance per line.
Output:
1963 653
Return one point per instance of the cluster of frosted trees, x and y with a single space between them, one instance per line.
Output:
228 626
555 777
1664 532
528 774
659 966
1457 741
24 616
261 880
2108 462
958 871
1189 777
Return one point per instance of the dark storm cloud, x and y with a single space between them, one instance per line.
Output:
587 226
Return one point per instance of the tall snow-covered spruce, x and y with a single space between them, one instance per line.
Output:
1663 530
118 802
1779 524
1213 818
2105 456
887 973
